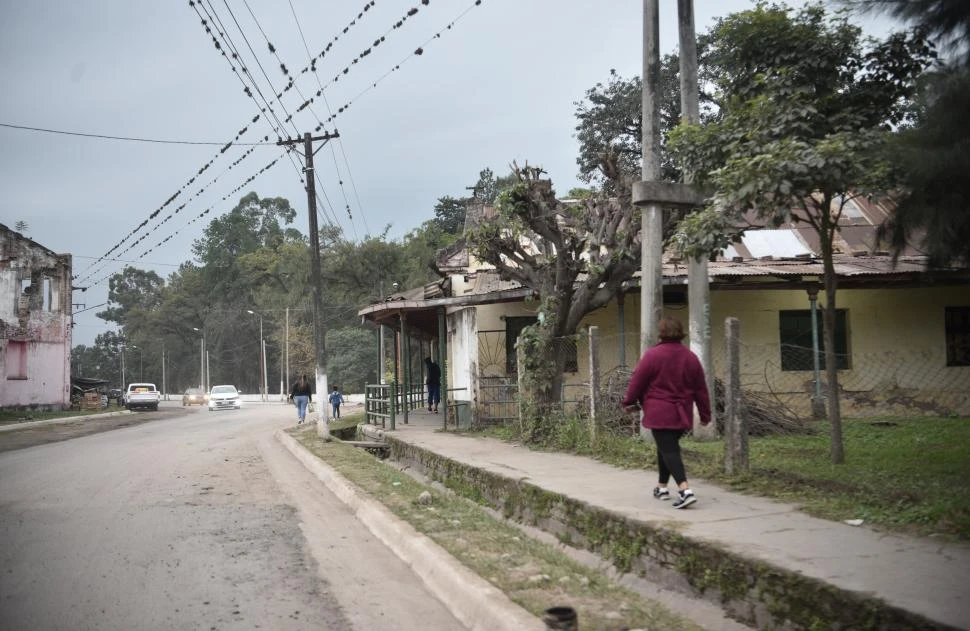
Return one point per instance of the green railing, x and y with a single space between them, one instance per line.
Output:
384 403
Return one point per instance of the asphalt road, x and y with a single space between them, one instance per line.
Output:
190 519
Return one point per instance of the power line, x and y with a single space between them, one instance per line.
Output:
128 138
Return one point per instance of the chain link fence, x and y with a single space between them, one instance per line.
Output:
779 383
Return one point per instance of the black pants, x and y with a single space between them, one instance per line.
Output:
669 461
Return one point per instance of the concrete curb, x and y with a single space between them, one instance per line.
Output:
55 421
475 602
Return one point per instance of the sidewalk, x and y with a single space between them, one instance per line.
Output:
920 576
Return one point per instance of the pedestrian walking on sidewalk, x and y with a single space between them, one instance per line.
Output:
665 385
434 384
335 400
301 395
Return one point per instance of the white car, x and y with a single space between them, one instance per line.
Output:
223 398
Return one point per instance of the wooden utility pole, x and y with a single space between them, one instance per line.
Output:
323 428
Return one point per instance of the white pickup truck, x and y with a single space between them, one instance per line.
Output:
143 396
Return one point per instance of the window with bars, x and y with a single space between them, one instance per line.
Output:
795 328
513 328
957 332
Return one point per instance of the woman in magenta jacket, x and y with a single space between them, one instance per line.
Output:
666 383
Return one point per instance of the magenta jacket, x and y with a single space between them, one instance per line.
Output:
667 381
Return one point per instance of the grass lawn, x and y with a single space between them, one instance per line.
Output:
900 474
533 574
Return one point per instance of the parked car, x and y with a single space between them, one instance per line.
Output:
223 398
193 396
144 396
117 395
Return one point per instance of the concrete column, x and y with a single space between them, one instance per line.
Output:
651 248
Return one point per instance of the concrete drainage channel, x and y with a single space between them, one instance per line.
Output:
750 591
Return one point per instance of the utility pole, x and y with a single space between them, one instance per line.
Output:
287 338
651 228
323 428
698 278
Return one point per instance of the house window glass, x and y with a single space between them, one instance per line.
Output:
957 331
514 326
16 359
795 328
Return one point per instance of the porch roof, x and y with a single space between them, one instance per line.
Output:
420 305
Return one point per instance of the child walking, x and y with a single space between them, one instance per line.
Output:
335 400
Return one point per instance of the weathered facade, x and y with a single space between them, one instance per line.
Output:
902 330
35 324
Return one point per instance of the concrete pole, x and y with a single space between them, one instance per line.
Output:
651 249
287 342
406 353
265 374
698 282
735 418
594 380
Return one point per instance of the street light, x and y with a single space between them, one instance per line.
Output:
262 355
141 362
201 358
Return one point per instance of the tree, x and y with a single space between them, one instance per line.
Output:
807 109
131 290
933 158
350 362
611 120
449 214
574 257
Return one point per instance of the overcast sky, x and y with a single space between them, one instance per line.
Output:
498 85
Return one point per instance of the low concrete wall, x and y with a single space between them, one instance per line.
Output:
751 591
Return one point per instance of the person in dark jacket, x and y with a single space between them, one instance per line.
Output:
666 384
434 384
301 395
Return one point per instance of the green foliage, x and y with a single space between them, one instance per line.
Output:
351 358
574 257
806 109
932 159
449 214
610 121
888 480
133 290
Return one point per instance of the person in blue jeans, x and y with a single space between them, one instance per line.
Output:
301 395
335 400
434 384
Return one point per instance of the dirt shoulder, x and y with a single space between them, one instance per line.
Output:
33 434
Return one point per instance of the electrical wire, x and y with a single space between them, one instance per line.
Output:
128 138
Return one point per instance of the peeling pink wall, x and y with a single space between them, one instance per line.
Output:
35 324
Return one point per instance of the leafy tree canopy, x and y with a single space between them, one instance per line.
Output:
807 108
933 158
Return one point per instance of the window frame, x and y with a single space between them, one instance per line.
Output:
800 323
513 327
15 360
956 335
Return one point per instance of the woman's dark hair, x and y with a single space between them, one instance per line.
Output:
671 329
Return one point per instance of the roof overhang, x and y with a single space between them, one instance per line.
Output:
421 316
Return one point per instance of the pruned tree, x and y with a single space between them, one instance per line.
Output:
807 109
574 257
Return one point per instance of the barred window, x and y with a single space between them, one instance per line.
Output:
795 328
957 331
513 328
